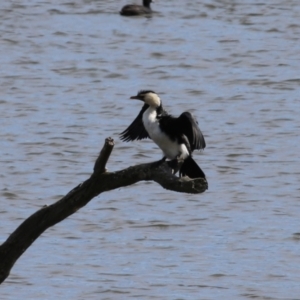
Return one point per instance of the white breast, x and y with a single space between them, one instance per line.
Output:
171 149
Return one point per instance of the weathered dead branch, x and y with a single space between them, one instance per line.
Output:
100 181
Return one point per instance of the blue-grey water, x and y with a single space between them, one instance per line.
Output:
67 71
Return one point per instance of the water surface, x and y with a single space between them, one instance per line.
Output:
67 72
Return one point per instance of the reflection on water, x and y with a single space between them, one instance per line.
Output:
67 71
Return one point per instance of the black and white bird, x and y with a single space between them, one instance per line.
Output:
136 10
176 137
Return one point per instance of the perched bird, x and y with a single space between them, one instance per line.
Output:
136 10
176 137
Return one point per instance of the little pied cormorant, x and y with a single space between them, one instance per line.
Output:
176 137
136 10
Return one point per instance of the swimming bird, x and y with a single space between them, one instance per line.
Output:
176 137
135 10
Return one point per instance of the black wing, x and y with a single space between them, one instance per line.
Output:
136 130
188 126
185 129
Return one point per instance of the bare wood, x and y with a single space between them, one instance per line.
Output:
104 155
100 181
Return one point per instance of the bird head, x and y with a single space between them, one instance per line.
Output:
149 97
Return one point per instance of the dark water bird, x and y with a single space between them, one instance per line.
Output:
176 137
136 10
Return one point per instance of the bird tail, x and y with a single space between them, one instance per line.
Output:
191 169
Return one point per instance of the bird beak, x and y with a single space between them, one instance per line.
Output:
135 97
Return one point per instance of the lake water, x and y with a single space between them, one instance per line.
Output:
67 71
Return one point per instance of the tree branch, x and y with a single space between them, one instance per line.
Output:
100 181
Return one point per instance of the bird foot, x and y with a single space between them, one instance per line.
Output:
175 164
